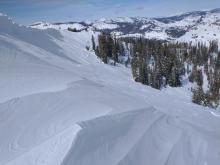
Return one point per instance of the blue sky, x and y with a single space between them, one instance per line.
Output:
29 11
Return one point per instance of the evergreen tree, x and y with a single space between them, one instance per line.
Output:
198 96
93 43
134 67
115 52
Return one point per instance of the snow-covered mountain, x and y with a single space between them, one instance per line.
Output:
193 26
59 105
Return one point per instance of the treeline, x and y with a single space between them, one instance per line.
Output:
160 63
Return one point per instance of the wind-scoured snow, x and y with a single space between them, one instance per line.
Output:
60 105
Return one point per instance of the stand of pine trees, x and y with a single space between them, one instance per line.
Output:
159 63
109 48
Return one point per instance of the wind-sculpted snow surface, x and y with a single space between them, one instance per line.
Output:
60 105
107 140
142 137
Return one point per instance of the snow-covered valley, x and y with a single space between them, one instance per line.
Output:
60 105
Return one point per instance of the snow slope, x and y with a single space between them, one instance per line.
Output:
60 105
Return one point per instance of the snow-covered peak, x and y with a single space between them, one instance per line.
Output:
217 10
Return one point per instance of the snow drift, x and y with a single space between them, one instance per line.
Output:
142 137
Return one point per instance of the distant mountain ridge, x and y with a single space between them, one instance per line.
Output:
193 26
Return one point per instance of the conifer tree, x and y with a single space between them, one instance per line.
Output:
93 43
134 67
115 52
198 96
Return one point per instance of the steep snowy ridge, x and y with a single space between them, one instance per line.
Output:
60 105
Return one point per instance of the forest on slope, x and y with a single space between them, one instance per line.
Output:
159 64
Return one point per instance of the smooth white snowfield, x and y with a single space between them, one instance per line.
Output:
59 105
